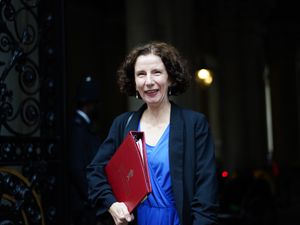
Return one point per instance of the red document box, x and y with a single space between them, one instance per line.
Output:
127 171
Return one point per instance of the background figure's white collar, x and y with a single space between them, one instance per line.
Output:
84 116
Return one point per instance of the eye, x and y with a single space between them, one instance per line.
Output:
157 72
140 74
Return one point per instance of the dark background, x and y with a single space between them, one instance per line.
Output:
247 44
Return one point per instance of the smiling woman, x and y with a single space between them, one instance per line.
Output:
151 80
179 145
173 62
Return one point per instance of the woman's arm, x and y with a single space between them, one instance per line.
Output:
205 200
100 192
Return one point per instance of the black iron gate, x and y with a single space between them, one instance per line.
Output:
32 97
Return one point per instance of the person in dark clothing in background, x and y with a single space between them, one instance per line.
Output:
83 146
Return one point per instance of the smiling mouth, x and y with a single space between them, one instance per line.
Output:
151 91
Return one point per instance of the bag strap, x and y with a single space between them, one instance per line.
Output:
126 125
128 120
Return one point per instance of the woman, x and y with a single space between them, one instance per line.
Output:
178 142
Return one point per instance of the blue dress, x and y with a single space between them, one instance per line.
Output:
159 208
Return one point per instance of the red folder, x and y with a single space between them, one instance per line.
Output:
127 171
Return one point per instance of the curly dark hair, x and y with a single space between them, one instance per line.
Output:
174 64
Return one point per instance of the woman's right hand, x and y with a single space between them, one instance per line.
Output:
120 214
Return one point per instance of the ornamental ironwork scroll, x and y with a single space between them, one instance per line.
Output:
30 163
19 74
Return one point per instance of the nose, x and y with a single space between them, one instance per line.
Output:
149 79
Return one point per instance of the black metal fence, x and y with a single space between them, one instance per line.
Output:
31 112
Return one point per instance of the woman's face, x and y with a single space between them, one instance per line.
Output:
151 79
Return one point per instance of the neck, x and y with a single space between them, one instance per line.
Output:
158 114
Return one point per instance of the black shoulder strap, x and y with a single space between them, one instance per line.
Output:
128 120
126 125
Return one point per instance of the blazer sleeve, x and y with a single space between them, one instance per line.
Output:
100 193
205 200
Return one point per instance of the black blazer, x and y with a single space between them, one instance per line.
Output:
192 165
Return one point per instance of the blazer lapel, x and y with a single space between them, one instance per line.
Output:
176 155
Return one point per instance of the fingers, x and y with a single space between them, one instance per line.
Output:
131 217
120 213
123 214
